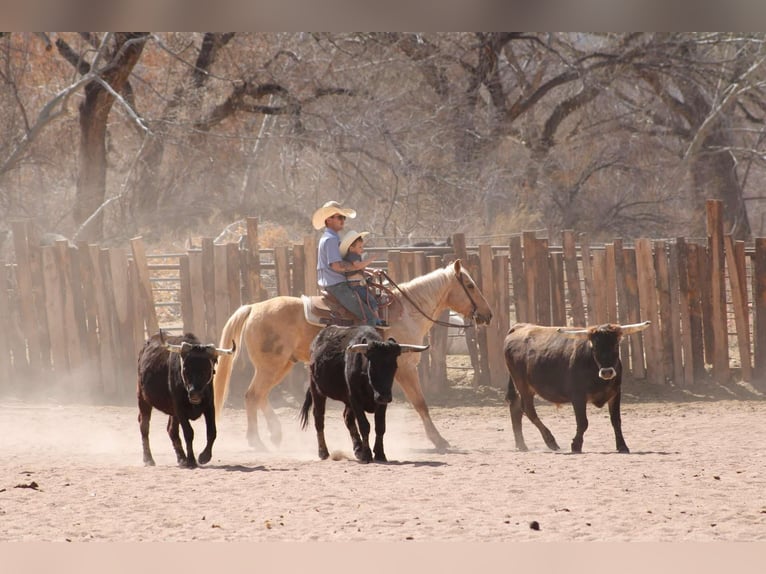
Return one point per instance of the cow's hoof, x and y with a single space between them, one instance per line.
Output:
188 463
363 455
522 448
324 455
148 462
624 449
205 457
380 457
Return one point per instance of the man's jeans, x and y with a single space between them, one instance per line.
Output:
350 300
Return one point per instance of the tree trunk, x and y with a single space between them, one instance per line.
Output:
94 113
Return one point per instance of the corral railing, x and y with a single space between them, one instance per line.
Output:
75 317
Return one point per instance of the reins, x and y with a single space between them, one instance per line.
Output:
417 307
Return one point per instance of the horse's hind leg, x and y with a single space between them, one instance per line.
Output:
144 418
257 397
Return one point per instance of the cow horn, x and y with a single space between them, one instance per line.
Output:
227 351
177 348
357 348
413 348
573 333
635 327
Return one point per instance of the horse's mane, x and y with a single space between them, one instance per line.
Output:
427 288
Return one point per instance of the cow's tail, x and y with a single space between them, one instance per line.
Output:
232 331
510 394
305 410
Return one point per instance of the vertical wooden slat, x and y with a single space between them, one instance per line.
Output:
518 279
637 354
477 337
104 323
208 289
647 295
718 290
663 300
146 296
253 275
137 312
587 273
558 305
310 265
54 306
677 322
543 286
759 304
233 273
740 308
529 243
573 278
610 279
185 297
197 293
90 303
491 287
25 299
282 270
695 270
598 288
299 270
73 343
123 334
220 265
622 300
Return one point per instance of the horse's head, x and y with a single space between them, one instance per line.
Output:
465 297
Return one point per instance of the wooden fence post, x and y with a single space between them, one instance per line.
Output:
211 331
718 291
146 298
759 306
647 293
573 278
518 280
737 280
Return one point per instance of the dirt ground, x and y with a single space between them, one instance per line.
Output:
73 472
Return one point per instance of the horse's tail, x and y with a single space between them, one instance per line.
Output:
232 331
305 409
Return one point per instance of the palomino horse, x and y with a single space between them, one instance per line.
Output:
277 335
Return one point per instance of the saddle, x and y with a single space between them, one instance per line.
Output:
324 309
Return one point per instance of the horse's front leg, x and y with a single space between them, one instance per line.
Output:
407 377
207 453
380 430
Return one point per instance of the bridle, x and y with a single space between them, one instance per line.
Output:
474 307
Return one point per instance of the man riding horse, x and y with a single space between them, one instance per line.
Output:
331 267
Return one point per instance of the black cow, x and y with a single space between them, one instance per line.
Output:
175 376
356 366
565 365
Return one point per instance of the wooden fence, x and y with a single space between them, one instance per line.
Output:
75 317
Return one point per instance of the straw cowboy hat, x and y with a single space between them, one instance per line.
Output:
328 209
349 238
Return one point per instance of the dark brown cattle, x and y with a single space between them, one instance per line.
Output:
564 365
175 376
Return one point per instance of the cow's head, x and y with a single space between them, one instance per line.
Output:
604 342
381 364
197 366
